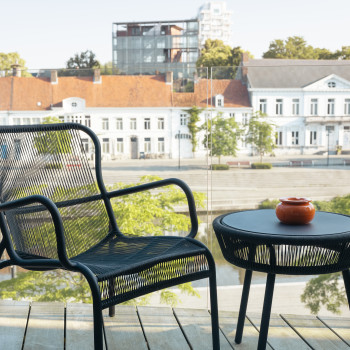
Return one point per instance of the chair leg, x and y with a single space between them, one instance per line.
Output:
265 318
214 312
243 306
111 311
98 326
346 277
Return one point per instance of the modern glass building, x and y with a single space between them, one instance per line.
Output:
156 47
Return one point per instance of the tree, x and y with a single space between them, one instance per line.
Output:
53 143
84 60
260 134
8 59
192 124
222 137
143 213
295 47
223 59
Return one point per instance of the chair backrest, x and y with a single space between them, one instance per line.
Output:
50 160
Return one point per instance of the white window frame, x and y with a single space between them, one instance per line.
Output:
133 124
105 124
330 106
183 119
161 123
347 106
263 105
87 121
279 106
105 145
147 123
295 138
295 106
314 106
119 124
147 145
120 145
313 138
161 145
279 138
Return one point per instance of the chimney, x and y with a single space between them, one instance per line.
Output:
54 78
245 59
16 70
97 76
169 78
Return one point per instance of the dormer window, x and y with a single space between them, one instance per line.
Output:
332 84
74 104
219 101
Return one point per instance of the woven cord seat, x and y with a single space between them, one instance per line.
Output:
56 213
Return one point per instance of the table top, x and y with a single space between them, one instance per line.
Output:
263 224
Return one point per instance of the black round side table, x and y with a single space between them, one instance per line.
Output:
257 241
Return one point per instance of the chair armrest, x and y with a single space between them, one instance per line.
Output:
162 183
57 221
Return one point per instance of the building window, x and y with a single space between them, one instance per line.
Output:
36 120
133 123
347 106
332 84
16 121
120 145
219 102
119 124
85 145
147 123
74 104
147 145
295 106
279 138
105 145
105 124
263 105
314 106
232 115
88 121
279 106
26 121
295 137
183 119
245 119
161 123
313 137
161 146
330 106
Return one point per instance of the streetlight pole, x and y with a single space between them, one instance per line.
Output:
179 134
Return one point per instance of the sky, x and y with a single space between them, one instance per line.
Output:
46 33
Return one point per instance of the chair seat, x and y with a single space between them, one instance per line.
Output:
134 265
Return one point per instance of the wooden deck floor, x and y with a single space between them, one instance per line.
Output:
56 326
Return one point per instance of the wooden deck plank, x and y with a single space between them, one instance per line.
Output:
13 321
161 329
45 327
340 325
79 327
123 331
196 324
281 336
315 332
228 325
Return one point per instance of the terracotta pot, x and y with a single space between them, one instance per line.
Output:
295 210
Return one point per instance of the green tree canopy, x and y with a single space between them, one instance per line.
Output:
8 59
221 57
222 137
296 47
260 134
84 60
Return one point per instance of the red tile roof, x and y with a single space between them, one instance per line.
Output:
23 94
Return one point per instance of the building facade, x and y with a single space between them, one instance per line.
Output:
151 47
308 101
133 116
215 22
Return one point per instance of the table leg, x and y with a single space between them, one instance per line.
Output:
265 318
243 306
346 277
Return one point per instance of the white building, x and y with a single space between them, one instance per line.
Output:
215 22
133 116
307 100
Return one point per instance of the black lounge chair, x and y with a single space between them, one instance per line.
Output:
55 213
